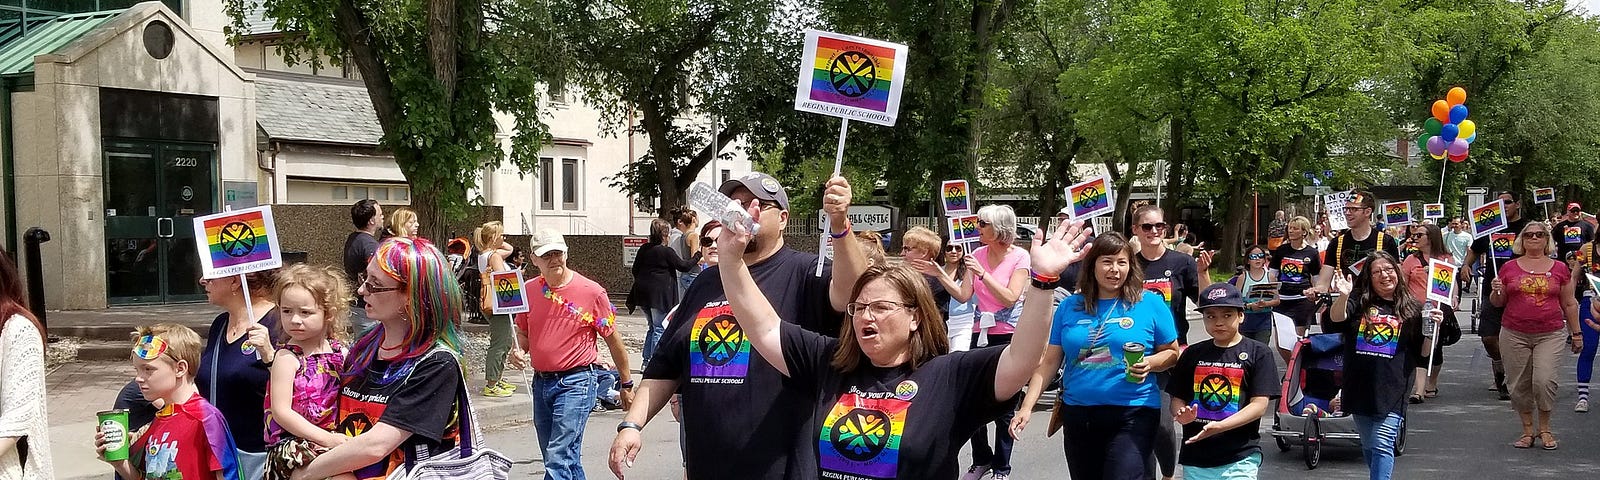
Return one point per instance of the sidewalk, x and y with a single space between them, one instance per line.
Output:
76 391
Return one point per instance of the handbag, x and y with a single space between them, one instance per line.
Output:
1449 331
467 460
486 294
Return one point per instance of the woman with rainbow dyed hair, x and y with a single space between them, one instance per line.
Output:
401 378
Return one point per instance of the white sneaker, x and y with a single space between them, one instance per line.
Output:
976 472
1583 406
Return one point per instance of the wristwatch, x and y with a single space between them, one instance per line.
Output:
628 385
627 425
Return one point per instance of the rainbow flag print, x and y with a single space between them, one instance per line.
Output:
1378 335
1501 245
957 198
1217 390
510 296
1572 235
1441 281
851 77
1397 214
860 438
1544 195
1090 198
1433 210
1488 218
718 350
237 242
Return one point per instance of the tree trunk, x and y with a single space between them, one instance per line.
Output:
1177 157
442 46
656 129
1233 227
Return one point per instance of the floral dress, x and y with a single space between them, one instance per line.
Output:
316 397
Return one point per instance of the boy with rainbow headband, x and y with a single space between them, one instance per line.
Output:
188 439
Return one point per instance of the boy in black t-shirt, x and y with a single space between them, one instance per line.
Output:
1219 391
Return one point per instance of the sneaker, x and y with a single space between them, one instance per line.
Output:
976 472
497 390
1583 406
1002 476
510 387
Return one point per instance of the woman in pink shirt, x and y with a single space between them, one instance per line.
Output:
1429 243
1541 317
1000 272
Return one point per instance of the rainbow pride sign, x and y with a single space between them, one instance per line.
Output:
1503 245
237 242
1397 214
509 295
851 77
957 197
1544 195
1441 282
1090 198
1433 210
1488 218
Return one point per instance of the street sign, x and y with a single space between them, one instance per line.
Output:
1315 190
1310 175
1327 174
630 249
871 218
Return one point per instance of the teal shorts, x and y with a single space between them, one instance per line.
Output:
1241 470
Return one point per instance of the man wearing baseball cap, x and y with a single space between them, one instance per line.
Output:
738 411
1572 231
1230 373
556 336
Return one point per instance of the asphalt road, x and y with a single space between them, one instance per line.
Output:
1465 433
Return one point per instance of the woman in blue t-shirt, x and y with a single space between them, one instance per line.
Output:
1111 411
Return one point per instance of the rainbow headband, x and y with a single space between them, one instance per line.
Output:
150 347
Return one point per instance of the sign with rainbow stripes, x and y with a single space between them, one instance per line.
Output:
1442 282
237 242
1090 198
509 295
851 77
1397 214
1488 218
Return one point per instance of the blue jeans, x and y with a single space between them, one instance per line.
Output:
657 320
686 279
1378 437
561 406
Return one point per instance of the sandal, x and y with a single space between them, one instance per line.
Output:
1548 444
1431 393
1415 399
1525 441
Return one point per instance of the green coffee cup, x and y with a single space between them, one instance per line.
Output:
114 425
1132 353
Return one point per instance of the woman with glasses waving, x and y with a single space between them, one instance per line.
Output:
1382 327
889 402
1108 339
1539 320
1428 241
999 276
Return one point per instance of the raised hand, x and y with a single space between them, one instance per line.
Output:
836 200
1203 260
1052 254
734 238
1341 283
925 267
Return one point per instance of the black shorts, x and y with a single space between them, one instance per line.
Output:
1488 316
1302 311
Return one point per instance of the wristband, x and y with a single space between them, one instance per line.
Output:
1043 285
627 425
840 235
628 385
1040 277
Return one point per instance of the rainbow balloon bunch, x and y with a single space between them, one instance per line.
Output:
1449 133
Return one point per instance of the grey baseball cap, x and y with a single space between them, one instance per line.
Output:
762 185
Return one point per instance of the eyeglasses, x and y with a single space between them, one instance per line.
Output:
1535 234
1153 227
366 283
878 309
1352 209
1256 256
982 223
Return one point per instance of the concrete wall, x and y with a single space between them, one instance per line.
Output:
58 150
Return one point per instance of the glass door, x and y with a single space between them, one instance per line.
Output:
152 193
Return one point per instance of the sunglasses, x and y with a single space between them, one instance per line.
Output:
1415 236
1153 227
366 282
1256 256
982 223
707 241
952 248
1536 234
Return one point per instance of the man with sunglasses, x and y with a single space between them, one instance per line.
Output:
738 411
1350 246
1488 314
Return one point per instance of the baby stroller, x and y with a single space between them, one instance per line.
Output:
1305 415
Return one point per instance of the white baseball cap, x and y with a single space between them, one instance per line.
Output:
546 241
